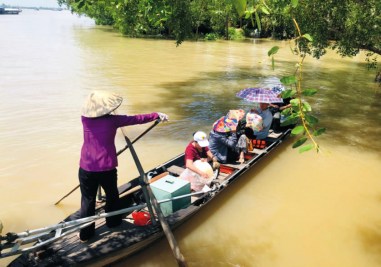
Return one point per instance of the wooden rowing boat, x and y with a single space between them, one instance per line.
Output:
62 246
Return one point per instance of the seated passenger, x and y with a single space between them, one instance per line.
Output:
223 140
252 123
198 150
277 108
197 154
267 119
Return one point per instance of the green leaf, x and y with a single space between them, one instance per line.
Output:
311 119
258 21
309 92
81 3
240 6
308 37
297 130
265 10
273 50
295 109
306 107
250 9
299 142
286 112
294 3
319 131
288 80
290 121
288 93
294 102
306 148
247 14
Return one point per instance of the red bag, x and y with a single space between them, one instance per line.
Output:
260 144
141 218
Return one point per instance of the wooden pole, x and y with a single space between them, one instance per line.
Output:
151 200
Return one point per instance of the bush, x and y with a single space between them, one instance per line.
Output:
235 34
211 36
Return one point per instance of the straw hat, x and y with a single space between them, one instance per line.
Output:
100 103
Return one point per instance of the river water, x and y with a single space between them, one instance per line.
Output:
293 210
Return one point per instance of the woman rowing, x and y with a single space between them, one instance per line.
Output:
98 160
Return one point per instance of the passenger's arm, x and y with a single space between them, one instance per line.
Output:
230 141
284 107
210 155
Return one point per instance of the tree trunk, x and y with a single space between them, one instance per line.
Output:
227 27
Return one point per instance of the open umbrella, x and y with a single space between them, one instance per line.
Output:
259 95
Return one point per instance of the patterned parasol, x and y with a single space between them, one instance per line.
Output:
259 95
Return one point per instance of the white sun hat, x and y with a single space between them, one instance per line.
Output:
201 139
100 103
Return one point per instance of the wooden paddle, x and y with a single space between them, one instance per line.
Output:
119 152
150 197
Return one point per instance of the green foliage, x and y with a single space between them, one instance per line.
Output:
288 80
235 34
240 6
319 131
211 36
271 54
300 111
307 148
288 93
312 120
297 130
309 92
352 24
299 142
346 26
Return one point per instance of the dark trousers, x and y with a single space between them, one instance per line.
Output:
89 182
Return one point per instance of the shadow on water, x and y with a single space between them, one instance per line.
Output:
371 240
347 104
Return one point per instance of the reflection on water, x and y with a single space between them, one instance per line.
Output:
292 210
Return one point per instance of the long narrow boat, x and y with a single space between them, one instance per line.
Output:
60 246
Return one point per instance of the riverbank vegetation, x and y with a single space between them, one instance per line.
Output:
313 26
346 26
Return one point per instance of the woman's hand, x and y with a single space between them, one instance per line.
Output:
163 117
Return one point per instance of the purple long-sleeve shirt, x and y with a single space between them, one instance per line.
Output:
98 150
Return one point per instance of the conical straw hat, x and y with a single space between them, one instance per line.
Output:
100 103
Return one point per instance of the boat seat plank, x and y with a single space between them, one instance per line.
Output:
175 169
274 135
222 176
236 166
257 151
